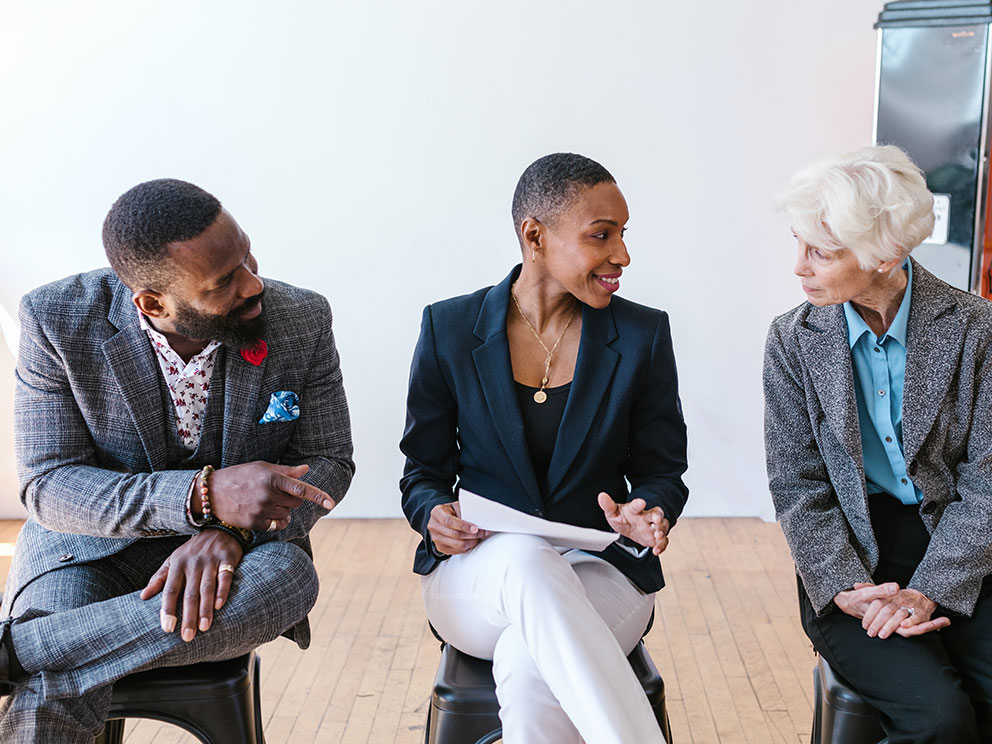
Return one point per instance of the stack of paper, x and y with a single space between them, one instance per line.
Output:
495 517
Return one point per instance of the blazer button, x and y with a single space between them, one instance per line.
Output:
912 468
66 557
930 507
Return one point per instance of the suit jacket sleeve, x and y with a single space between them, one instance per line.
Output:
61 484
657 454
805 502
959 556
322 435
429 439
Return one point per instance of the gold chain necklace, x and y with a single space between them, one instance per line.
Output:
540 396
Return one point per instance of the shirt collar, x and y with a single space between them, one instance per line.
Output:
160 337
856 326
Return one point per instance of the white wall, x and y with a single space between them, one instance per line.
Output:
371 150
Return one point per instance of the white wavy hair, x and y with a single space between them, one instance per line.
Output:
872 201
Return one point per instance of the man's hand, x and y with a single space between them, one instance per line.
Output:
451 534
259 495
194 570
647 527
907 612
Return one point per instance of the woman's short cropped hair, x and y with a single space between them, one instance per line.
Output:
549 185
872 201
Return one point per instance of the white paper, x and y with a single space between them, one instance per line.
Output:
495 517
941 219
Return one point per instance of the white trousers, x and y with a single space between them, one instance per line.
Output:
558 628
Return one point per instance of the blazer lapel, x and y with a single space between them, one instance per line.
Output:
132 362
594 369
823 340
492 363
242 383
934 340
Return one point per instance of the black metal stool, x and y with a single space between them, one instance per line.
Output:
841 715
464 709
219 702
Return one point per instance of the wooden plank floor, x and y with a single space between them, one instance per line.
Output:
726 638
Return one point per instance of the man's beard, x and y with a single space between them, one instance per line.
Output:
231 329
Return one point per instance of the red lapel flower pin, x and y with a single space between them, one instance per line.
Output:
255 354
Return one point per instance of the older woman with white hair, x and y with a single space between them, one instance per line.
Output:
878 434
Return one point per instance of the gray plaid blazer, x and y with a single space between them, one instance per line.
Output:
90 432
813 444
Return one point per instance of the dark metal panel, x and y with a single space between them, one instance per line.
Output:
930 103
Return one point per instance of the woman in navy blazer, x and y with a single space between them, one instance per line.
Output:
548 394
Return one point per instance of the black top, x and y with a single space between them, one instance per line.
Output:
541 423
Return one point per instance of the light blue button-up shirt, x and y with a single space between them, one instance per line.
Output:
879 370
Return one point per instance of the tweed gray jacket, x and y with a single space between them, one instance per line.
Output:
813 444
90 433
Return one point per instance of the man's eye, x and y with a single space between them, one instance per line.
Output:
601 236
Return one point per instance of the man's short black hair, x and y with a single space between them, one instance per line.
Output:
548 186
145 219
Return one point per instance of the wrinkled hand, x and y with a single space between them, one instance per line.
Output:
907 612
450 533
193 570
254 494
647 527
855 602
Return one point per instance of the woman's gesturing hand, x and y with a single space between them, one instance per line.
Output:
647 527
451 534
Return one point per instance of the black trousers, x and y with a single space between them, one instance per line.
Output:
932 688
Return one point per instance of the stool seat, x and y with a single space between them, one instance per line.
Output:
464 709
840 714
218 702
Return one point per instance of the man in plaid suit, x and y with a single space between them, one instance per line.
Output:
180 426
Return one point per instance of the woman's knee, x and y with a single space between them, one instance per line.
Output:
945 715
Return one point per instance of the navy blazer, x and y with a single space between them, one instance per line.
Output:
622 423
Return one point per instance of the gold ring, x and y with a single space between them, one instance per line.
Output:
225 567
273 525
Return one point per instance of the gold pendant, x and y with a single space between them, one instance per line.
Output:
540 396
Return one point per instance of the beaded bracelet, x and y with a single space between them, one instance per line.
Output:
205 492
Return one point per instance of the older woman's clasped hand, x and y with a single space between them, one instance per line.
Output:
885 609
647 527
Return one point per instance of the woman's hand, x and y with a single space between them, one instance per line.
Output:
194 570
855 602
451 534
907 612
647 527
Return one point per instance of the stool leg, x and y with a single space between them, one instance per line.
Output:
113 732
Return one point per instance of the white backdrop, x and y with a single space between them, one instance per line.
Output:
371 149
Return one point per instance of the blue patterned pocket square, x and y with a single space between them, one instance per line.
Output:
283 406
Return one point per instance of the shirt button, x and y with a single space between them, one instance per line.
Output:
888 439
881 392
66 557
877 349
904 481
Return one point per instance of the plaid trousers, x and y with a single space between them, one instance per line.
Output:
79 629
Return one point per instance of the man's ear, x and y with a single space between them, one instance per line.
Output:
149 302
